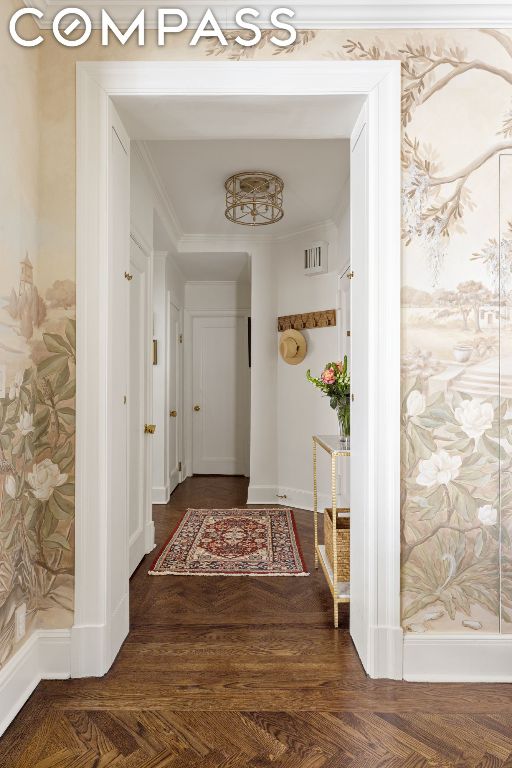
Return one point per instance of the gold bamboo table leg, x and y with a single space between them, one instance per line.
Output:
334 547
315 504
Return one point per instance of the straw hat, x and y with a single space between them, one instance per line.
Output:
293 347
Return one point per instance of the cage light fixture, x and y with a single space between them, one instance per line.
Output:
254 198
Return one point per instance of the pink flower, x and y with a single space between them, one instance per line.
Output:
328 376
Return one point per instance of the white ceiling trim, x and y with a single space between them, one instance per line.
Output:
309 14
198 242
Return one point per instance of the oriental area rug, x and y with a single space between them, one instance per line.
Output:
232 542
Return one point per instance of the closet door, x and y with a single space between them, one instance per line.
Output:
221 395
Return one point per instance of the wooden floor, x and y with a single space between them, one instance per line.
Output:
249 673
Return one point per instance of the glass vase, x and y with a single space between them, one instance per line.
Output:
343 411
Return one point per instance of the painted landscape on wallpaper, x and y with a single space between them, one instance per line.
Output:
456 340
456 318
37 417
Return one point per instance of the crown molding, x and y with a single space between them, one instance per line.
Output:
309 14
198 243
167 211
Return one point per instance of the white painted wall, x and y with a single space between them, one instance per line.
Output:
217 295
264 454
301 409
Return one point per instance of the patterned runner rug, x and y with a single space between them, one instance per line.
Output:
232 542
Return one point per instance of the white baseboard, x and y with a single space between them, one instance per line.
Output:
293 497
88 643
149 536
388 645
160 494
300 499
44 656
94 647
119 628
262 494
461 658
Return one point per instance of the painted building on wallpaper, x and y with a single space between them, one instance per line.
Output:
457 124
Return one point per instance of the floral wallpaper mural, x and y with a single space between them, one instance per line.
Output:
37 418
456 523
456 328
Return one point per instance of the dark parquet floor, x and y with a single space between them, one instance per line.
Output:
249 673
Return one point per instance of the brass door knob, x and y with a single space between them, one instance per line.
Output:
149 429
197 407
173 414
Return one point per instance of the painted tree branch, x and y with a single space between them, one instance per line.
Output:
464 174
461 69
504 40
409 547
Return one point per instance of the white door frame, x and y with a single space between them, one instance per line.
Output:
97 82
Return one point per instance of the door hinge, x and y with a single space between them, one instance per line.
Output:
348 333
179 466
128 276
181 338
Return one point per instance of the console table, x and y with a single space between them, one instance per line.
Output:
341 590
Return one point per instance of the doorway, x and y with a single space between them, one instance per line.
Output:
375 584
220 394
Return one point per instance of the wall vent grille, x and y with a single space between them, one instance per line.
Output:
315 258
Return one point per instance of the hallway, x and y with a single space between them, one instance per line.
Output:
249 673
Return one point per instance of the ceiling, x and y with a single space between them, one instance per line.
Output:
192 174
238 117
208 267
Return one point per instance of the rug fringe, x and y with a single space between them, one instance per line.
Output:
240 575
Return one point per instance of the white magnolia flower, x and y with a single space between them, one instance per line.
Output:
487 514
14 389
440 469
415 403
26 423
474 417
10 486
44 477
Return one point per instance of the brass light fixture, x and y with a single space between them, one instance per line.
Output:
254 198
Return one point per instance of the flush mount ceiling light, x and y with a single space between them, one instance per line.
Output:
254 198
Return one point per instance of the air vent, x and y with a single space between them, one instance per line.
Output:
315 258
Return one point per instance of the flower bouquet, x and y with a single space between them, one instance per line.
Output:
334 382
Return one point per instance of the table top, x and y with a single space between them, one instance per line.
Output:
331 444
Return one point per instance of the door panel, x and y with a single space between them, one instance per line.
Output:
174 396
359 442
221 392
138 442
117 384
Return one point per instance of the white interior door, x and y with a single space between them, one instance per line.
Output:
360 454
174 379
117 385
220 391
138 442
